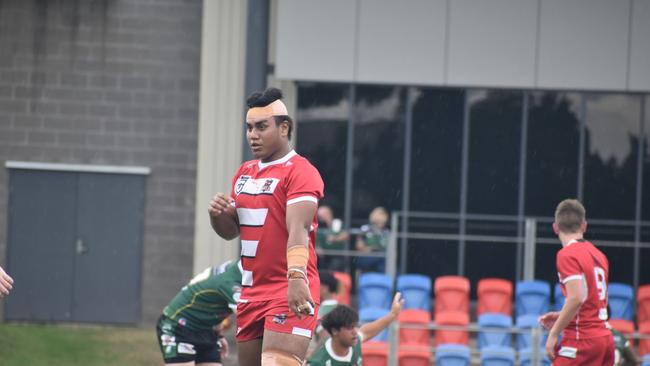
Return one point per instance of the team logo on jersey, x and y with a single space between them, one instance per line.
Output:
280 318
241 182
267 186
254 187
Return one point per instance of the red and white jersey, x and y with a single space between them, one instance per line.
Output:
581 261
262 192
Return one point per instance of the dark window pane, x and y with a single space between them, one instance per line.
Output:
645 194
545 253
552 151
436 150
378 150
443 262
433 256
494 151
611 147
322 116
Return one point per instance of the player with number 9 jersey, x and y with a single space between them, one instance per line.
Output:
581 261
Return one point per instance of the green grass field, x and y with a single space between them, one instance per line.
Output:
35 345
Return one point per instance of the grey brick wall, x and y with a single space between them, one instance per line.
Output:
111 82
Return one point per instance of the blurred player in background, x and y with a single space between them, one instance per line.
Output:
190 329
272 207
583 271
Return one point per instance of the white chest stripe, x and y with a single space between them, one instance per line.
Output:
249 248
247 278
252 216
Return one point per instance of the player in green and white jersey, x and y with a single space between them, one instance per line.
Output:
187 330
344 346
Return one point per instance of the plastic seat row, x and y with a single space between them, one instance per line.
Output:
376 290
376 354
494 295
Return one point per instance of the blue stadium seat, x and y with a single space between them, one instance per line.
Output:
526 357
494 337
375 290
646 360
621 301
367 315
558 297
416 291
497 356
532 297
452 355
525 338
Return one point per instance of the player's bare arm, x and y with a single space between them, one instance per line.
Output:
547 320
568 312
223 216
299 218
371 329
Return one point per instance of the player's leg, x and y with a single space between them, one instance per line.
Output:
283 349
208 349
286 337
250 352
250 329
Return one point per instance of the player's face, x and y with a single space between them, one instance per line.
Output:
264 137
348 336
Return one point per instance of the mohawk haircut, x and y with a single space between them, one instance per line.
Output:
266 97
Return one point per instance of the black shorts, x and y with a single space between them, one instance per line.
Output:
179 344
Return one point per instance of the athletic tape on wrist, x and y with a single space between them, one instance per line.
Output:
297 257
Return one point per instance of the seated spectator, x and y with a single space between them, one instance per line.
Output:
374 238
330 236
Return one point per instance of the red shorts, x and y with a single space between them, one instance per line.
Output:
254 317
590 351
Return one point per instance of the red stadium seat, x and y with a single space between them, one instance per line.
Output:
413 335
624 326
643 304
452 318
452 294
374 353
644 344
413 357
494 296
345 285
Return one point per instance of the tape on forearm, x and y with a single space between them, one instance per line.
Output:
297 257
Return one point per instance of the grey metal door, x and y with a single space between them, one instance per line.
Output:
42 226
108 255
75 246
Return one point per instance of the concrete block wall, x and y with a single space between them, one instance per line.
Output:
109 82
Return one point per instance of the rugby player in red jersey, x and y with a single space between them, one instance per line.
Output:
583 271
272 208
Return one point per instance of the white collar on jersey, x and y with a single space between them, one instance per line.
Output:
346 358
284 159
575 241
329 302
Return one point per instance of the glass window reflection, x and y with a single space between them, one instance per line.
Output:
437 138
552 151
494 150
378 150
611 146
322 117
